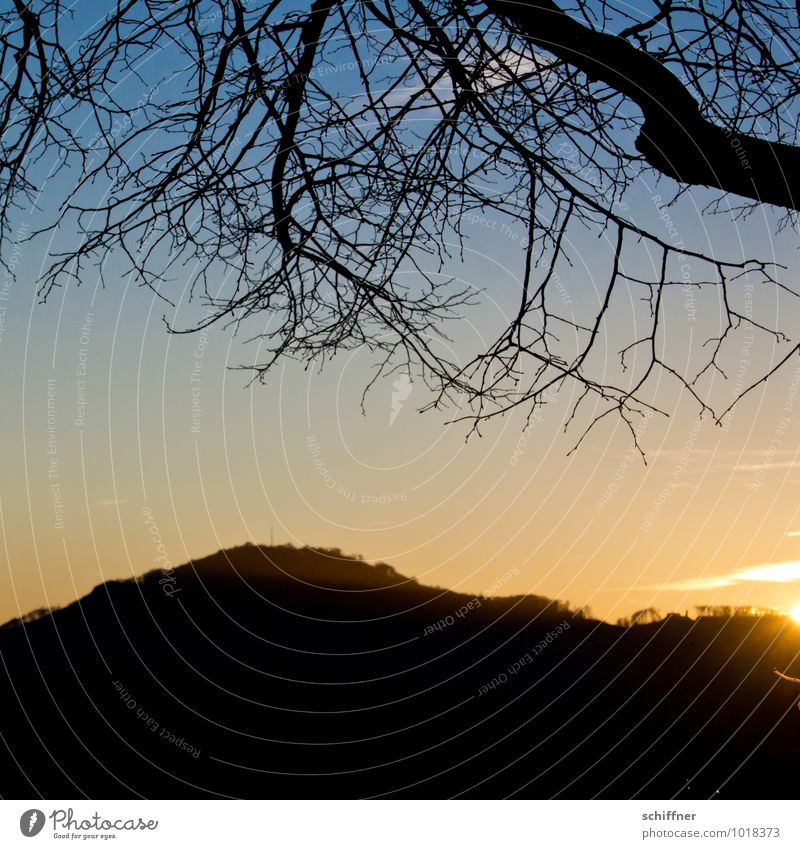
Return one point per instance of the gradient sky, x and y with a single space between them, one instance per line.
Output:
711 519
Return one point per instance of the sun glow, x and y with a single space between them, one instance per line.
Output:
794 612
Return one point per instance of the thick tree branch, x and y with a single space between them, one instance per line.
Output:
675 138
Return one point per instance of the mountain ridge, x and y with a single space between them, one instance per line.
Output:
224 677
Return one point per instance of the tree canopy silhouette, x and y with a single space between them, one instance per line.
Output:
316 164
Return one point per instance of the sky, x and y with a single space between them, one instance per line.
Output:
110 420
117 435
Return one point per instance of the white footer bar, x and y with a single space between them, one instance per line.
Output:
400 824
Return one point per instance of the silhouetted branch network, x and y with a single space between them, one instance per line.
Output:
316 166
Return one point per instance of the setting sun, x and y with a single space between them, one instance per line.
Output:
794 612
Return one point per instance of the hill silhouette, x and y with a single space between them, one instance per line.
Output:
283 672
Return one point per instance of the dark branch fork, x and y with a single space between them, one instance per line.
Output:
675 138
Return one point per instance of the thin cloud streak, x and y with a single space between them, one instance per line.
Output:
770 573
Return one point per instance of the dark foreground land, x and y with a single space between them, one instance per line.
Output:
280 672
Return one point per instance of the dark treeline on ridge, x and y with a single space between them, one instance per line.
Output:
283 672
